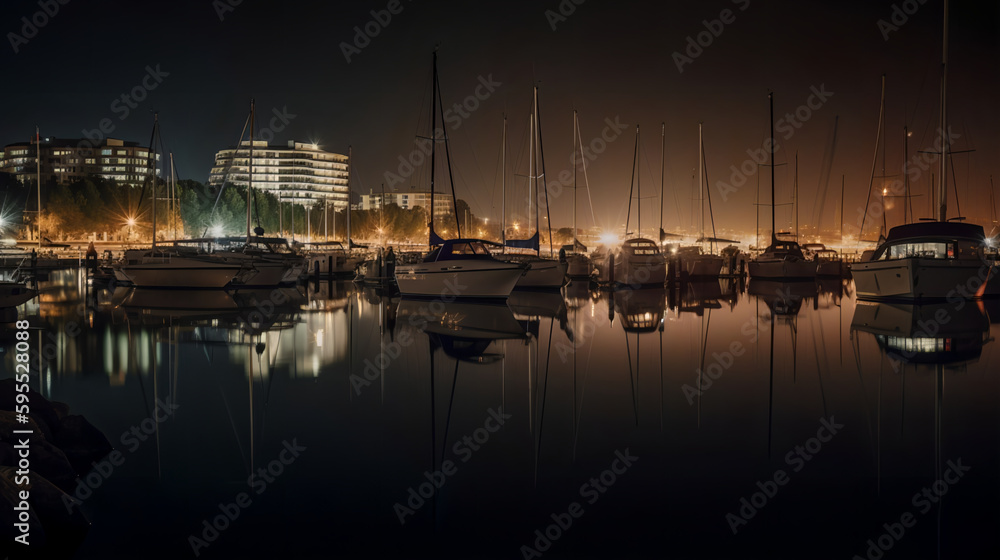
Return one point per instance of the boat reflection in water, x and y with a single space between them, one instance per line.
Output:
935 333
153 306
784 299
531 306
641 311
464 331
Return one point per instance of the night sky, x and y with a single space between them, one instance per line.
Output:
609 61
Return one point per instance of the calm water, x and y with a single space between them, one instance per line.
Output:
846 405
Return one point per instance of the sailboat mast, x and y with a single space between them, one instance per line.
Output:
575 128
906 178
843 179
663 153
503 184
541 163
796 195
638 187
942 180
152 178
38 179
250 170
350 164
774 236
434 78
701 182
173 190
532 171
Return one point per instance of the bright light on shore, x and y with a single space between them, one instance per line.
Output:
609 239
130 222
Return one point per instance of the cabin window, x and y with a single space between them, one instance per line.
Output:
463 249
920 250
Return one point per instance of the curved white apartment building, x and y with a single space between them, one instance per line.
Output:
297 172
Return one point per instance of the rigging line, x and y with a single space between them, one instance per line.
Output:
708 193
225 176
451 403
447 153
631 186
628 351
586 179
871 180
150 161
541 157
545 390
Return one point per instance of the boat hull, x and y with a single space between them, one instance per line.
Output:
783 269
830 268
916 278
458 279
578 266
640 271
180 273
544 273
704 266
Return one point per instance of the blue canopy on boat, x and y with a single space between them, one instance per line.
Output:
530 243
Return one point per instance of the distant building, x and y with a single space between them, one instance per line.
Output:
297 172
67 160
408 199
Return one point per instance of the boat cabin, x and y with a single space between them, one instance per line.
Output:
932 240
461 249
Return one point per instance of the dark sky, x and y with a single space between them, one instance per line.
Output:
608 60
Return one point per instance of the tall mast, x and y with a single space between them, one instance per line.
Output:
503 184
541 160
575 128
38 179
906 178
532 168
434 77
843 179
942 180
701 181
663 157
152 153
172 225
795 194
638 186
250 170
350 164
774 236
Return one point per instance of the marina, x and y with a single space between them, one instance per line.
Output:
522 280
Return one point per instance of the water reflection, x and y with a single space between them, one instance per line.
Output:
368 382
932 333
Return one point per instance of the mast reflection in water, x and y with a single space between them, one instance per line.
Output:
380 391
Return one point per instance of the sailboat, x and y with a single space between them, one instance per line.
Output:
783 259
455 268
639 261
926 260
271 260
177 267
578 264
543 272
697 264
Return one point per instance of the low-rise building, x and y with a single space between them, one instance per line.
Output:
64 161
408 199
